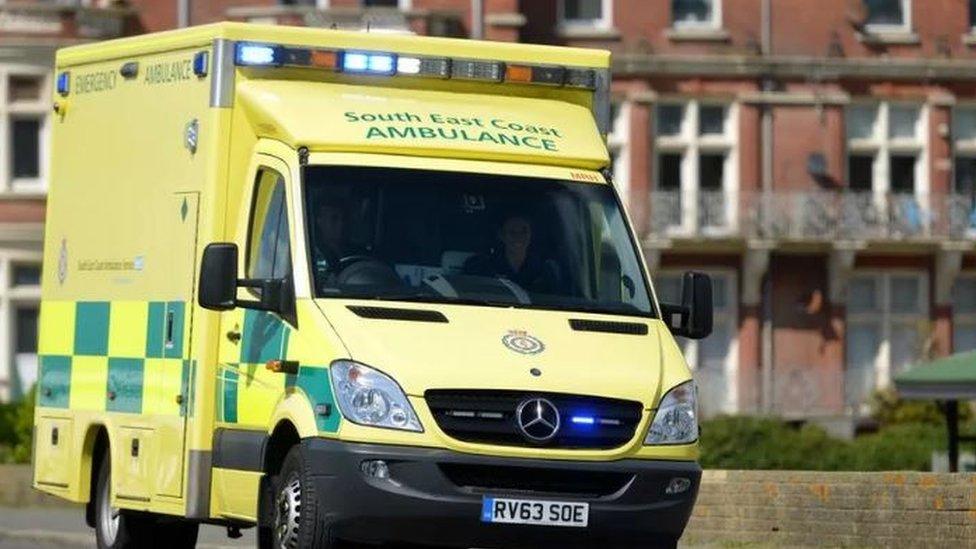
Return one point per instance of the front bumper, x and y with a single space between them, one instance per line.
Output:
424 503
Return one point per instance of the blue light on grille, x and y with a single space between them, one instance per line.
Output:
583 420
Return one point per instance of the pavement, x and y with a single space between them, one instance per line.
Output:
65 528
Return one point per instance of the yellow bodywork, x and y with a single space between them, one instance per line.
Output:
124 347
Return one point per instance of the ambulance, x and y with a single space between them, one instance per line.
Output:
353 288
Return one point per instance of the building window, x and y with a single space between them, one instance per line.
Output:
695 175
19 297
888 15
584 13
964 314
886 164
23 131
972 14
714 359
26 276
696 14
887 330
962 203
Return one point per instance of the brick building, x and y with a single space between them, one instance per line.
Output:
818 158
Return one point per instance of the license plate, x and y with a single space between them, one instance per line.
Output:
527 511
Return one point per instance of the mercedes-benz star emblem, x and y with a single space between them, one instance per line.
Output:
538 419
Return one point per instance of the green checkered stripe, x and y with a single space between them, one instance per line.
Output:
125 377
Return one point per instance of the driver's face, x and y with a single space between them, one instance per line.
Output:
516 234
330 223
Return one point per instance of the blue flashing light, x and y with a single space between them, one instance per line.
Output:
255 55
372 63
381 64
64 83
355 62
200 63
583 420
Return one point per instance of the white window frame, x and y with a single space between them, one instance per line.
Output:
11 298
39 109
618 144
962 148
962 320
690 145
885 318
604 22
729 316
904 28
882 147
715 23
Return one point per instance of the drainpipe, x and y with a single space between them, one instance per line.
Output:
766 335
182 13
478 19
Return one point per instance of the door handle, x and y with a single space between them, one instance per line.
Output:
233 336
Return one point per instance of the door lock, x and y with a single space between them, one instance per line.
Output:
234 336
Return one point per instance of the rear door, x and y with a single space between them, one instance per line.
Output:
169 370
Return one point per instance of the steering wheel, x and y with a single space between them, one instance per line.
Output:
345 262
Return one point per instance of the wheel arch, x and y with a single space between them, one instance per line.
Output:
95 449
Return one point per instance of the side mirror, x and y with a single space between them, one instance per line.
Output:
693 317
219 283
218 277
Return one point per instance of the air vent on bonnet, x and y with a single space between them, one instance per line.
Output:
390 313
630 328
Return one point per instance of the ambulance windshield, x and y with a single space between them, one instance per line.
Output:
451 237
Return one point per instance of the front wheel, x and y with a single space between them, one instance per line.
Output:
294 516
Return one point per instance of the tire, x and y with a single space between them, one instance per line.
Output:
114 528
294 514
120 529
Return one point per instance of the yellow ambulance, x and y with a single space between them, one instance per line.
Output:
353 288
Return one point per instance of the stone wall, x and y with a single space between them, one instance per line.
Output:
792 509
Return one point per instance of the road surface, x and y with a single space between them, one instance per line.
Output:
65 528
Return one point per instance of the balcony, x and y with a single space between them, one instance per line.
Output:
426 22
59 22
811 216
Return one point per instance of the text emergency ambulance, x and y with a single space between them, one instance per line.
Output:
351 287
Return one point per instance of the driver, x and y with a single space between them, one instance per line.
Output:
515 259
330 226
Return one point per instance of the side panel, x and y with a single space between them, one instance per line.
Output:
117 289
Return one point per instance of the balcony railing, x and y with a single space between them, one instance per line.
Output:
812 216
427 22
25 23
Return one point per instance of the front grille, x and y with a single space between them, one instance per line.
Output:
489 417
532 480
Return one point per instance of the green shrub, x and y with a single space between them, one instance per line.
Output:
742 442
888 409
16 429
24 428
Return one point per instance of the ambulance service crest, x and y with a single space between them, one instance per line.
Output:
521 342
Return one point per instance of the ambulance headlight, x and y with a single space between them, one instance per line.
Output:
367 396
676 419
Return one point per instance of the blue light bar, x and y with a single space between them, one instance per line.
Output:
64 83
256 54
372 63
583 420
